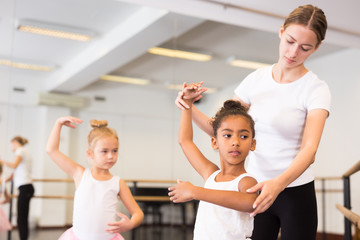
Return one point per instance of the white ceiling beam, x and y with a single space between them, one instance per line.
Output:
231 13
146 28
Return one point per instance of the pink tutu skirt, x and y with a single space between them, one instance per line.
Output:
4 222
69 235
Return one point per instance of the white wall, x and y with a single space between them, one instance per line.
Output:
147 123
339 149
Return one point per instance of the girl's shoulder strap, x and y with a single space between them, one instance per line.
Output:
213 175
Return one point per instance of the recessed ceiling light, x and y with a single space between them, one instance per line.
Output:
122 79
180 54
26 66
180 87
246 64
57 31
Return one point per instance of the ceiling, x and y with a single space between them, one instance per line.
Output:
124 30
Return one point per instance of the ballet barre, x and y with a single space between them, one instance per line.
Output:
145 198
349 216
323 192
353 217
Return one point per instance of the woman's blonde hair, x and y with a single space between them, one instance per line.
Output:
99 130
21 140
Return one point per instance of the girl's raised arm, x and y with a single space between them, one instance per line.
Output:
201 164
65 163
188 95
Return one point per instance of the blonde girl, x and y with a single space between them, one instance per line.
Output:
225 206
97 190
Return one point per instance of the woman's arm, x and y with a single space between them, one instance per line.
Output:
314 125
65 163
137 215
14 164
6 197
240 201
184 100
201 120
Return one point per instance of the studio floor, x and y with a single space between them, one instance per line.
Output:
142 233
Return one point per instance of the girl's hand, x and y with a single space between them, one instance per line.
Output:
270 189
69 121
123 225
182 192
191 93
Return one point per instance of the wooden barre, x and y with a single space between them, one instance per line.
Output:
330 190
137 198
52 180
328 178
352 170
126 180
354 218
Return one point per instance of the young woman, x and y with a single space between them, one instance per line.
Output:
22 181
290 105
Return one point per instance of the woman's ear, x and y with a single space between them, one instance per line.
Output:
214 144
281 31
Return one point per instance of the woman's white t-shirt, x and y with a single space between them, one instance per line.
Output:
279 112
22 173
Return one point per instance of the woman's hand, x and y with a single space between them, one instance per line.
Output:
270 189
69 121
190 92
182 192
123 225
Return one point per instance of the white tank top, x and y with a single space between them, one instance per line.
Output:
214 222
95 205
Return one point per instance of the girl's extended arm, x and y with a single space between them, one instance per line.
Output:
65 163
270 189
202 165
137 215
240 201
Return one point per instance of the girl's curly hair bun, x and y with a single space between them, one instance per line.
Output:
98 124
232 108
233 105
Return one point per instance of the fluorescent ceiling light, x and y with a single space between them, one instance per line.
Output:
247 64
180 87
26 66
180 54
55 31
129 80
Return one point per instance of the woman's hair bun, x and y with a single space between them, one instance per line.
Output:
21 140
98 124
